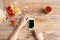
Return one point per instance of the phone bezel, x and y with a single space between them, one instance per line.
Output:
28 23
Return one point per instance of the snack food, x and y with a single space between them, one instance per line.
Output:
16 9
13 22
10 11
2 15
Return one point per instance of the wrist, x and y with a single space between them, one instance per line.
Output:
20 26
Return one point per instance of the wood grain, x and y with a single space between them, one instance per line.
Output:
47 23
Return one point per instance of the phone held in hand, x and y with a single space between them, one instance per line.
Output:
31 24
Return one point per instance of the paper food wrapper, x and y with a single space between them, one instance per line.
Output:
2 15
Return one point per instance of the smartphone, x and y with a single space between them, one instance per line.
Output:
31 24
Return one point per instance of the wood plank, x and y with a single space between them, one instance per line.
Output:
49 23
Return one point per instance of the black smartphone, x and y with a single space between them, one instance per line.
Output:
31 23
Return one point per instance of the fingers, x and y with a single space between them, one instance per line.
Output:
37 31
38 35
27 18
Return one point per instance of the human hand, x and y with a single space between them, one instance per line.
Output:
23 20
38 35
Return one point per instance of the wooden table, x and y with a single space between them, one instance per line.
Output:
47 23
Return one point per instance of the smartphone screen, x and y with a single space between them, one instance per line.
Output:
31 23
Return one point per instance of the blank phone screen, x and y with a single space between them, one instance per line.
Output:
31 23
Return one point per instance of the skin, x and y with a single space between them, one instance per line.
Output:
23 21
38 35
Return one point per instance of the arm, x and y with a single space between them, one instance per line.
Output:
14 35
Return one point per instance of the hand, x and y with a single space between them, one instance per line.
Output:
38 35
23 20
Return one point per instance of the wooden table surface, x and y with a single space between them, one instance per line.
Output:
47 23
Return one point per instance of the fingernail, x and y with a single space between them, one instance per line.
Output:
27 18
